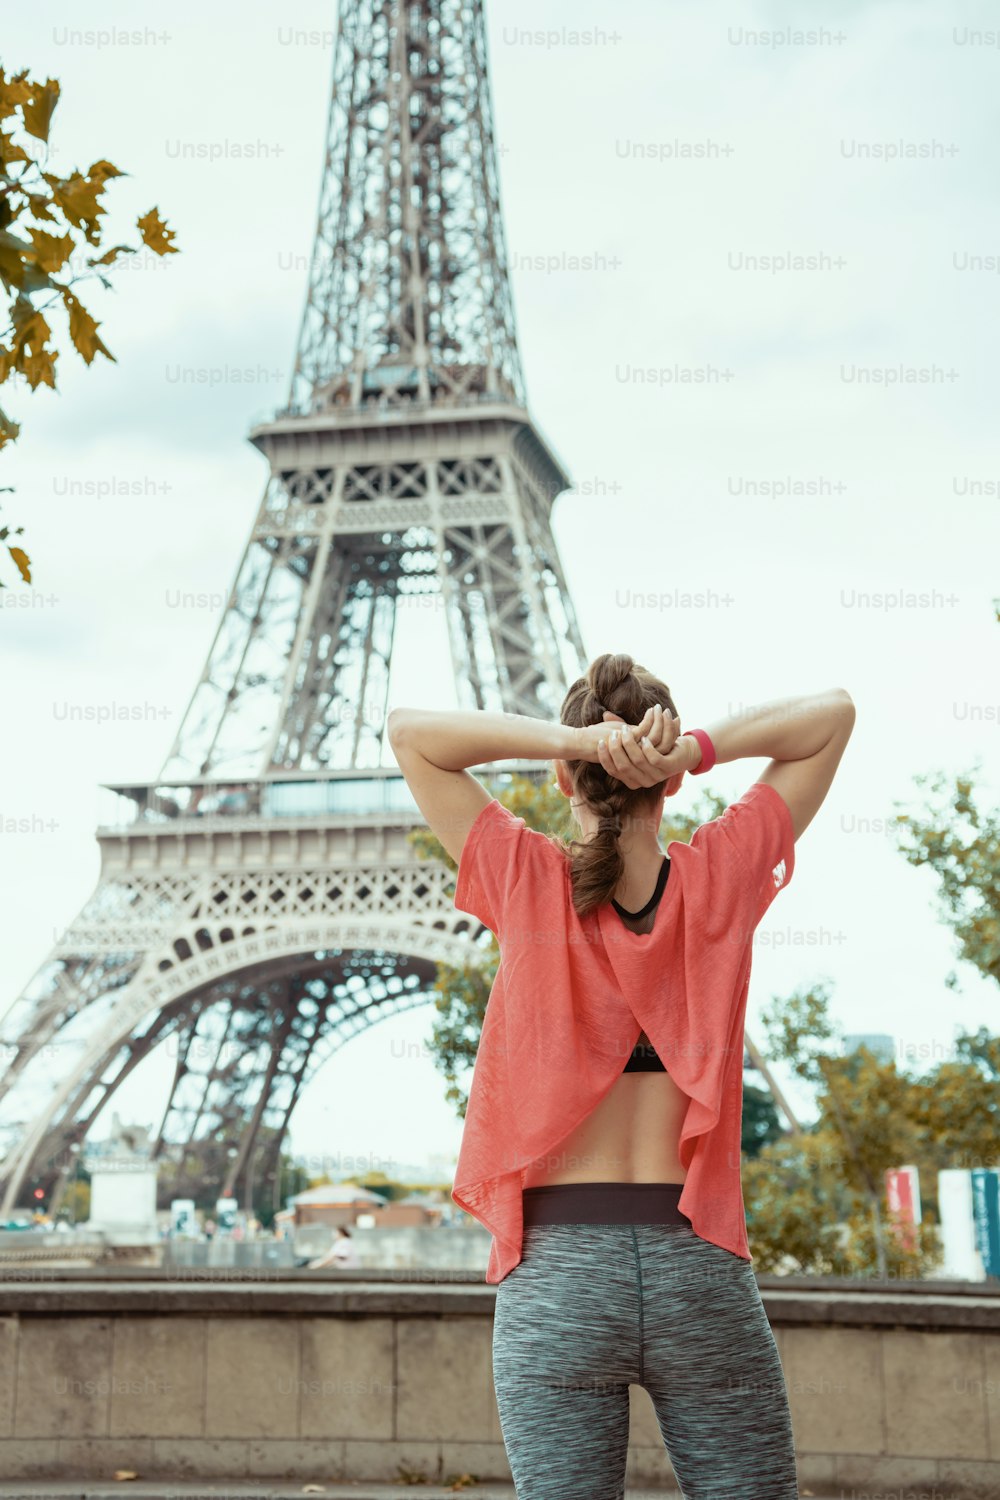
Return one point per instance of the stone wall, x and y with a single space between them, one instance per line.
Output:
344 1375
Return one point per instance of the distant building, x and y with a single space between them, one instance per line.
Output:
417 1210
880 1045
333 1204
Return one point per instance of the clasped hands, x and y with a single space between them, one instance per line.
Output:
642 754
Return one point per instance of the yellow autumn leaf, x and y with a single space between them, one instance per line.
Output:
83 329
22 562
12 250
27 353
29 324
102 169
52 251
77 197
35 280
39 368
155 234
8 429
13 91
40 206
10 152
110 255
65 214
37 110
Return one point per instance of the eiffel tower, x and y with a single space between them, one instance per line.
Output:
259 904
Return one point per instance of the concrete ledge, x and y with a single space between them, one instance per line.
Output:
211 1292
420 1275
362 1385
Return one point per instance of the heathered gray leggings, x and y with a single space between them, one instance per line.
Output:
593 1308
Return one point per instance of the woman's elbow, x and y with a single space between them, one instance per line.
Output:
844 704
396 724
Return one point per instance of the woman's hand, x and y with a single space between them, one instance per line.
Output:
642 754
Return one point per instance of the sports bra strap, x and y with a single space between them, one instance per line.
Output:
661 881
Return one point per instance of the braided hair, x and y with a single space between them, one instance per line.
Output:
618 683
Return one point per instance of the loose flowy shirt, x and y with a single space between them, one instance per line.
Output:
572 994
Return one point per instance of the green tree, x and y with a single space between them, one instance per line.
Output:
51 239
461 992
796 1206
956 1106
76 1202
761 1124
865 1122
960 842
816 1201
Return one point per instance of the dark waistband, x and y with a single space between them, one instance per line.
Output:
604 1203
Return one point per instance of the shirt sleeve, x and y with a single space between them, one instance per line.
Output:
491 863
756 832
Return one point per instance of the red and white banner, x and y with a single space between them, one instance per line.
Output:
902 1188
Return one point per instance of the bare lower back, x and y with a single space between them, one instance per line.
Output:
630 1136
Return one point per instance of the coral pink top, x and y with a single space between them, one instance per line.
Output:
572 994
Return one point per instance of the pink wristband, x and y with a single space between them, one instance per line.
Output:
707 751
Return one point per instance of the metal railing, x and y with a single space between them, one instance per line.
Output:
381 406
306 795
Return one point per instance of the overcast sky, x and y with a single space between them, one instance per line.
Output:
675 147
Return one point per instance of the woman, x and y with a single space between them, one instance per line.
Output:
341 1253
601 1144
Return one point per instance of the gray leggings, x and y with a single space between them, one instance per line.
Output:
591 1309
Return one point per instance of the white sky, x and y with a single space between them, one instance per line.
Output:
894 464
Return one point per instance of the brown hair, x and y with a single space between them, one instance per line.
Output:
618 683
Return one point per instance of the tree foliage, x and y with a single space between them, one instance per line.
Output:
816 1202
51 239
960 842
761 1123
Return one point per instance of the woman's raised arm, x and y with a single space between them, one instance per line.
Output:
805 739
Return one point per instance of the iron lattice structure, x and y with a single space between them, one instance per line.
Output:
260 903
408 289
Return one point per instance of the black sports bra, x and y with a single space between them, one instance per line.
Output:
643 1057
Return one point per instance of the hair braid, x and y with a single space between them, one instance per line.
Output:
616 681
